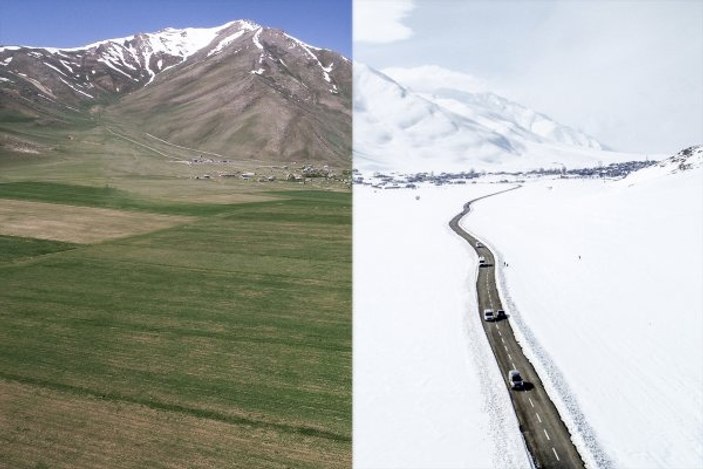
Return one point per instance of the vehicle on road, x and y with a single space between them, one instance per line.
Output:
488 315
515 379
481 260
500 314
478 244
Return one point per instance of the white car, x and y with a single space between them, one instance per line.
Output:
481 260
515 379
489 315
478 244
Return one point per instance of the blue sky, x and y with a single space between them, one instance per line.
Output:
629 72
72 23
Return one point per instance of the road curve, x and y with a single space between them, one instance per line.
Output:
548 440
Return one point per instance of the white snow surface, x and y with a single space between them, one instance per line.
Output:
76 89
617 334
255 39
395 128
225 42
68 67
54 68
302 43
427 390
115 68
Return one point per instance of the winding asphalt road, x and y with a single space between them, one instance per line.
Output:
546 436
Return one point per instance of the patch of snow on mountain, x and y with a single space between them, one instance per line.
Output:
325 70
123 60
255 39
225 42
76 89
147 61
115 68
54 68
37 84
68 66
183 42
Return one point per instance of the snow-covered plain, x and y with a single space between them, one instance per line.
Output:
427 391
617 335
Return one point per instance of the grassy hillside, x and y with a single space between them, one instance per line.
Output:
223 341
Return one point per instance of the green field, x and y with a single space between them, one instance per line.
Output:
221 342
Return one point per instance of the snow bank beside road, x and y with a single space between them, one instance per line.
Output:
427 391
624 322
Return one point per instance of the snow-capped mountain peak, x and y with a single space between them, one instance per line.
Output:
184 41
125 64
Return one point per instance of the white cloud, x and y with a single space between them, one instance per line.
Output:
381 21
430 78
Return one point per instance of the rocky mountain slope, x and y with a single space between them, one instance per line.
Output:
240 90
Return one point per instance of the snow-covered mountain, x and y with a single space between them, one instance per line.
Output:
127 63
109 66
471 97
687 159
390 120
503 115
240 88
396 128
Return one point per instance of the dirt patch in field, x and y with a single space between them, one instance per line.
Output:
17 145
74 224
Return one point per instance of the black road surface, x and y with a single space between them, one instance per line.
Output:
546 436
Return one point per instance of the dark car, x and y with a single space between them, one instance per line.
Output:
500 314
